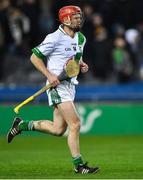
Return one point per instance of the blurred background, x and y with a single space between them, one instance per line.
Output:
114 52
114 32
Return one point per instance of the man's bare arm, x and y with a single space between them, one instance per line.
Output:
39 64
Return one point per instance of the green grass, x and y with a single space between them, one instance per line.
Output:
48 157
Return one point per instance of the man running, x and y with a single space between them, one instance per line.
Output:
57 48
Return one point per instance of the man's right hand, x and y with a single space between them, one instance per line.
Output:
53 79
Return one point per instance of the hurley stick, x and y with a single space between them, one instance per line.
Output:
71 70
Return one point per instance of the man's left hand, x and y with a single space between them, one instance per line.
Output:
84 67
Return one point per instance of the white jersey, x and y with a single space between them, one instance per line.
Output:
58 47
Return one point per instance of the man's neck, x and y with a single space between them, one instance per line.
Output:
69 31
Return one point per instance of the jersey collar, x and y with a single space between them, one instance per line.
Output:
62 30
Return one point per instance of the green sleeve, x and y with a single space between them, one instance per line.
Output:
38 53
81 43
81 39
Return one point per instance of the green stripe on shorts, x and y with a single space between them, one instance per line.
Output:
55 97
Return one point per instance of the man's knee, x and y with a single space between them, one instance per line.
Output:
75 126
60 132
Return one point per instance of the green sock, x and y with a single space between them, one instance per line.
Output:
77 160
26 126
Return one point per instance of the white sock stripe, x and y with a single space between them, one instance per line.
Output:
30 125
77 157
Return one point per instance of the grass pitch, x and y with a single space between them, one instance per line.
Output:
47 157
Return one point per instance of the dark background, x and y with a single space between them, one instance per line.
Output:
113 28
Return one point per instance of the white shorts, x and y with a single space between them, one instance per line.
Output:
61 93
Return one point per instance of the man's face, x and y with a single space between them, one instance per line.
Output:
76 22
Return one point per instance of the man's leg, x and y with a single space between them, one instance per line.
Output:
70 115
57 127
64 115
